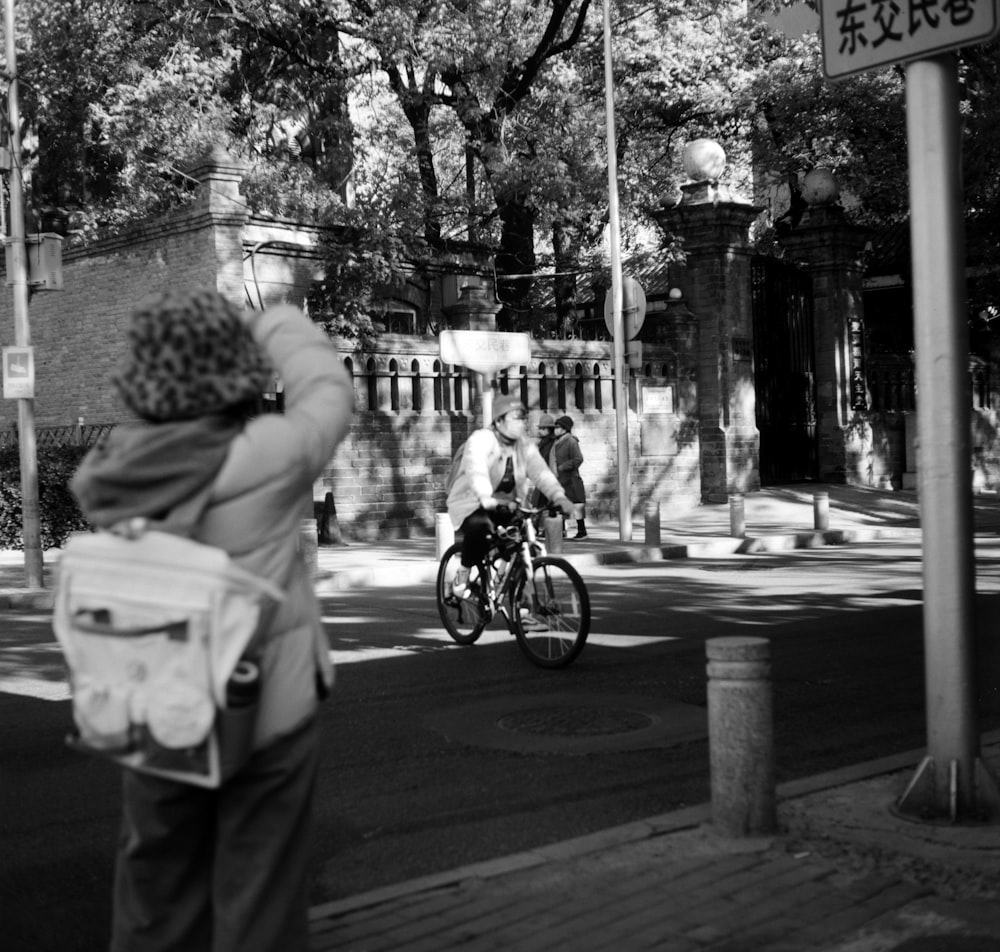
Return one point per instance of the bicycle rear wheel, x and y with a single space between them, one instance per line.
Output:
464 618
552 617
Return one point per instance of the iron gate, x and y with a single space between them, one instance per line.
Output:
784 371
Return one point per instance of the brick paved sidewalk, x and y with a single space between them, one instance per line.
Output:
685 891
838 878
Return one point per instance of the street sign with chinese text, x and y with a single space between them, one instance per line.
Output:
485 351
859 35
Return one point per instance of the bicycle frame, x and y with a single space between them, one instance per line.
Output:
543 599
530 547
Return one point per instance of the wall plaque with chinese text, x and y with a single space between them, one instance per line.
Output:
859 35
657 399
18 373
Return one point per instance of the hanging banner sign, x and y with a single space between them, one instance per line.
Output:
859 35
18 373
485 351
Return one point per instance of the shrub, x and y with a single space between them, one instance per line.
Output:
59 515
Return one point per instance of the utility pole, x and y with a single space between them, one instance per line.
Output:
618 322
953 779
18 279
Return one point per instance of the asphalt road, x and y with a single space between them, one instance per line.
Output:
437 755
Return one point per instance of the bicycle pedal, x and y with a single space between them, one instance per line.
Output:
533 624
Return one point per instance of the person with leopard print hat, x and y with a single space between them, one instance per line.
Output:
226 869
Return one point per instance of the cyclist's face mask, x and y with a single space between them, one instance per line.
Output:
511 425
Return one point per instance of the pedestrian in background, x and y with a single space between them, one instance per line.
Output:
225 869
566 460
546 437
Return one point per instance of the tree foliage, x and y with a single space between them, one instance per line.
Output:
413 128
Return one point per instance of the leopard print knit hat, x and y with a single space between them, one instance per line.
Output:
189 355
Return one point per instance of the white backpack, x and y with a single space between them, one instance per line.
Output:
153 626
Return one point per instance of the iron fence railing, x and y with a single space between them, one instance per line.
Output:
70 435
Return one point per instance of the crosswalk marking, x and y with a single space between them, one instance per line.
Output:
27 678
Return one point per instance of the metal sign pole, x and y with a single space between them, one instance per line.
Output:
945 782
620 381
486 393
31 532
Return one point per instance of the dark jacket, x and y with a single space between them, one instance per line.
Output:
567 457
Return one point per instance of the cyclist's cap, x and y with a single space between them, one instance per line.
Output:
545 421
504 404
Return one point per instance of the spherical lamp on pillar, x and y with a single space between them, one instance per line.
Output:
704 162
819 187
820 192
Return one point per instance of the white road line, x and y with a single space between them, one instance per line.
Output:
423 641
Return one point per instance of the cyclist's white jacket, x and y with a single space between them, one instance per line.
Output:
484 462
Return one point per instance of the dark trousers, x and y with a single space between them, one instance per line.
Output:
477 532
218 870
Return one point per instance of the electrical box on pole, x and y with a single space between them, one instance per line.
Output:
44 259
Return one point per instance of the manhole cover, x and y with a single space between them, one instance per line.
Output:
572 723
575 721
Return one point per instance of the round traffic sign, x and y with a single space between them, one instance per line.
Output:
633 308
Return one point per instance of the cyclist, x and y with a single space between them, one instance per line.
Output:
497 463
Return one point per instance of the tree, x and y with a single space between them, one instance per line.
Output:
529 102
855 127
417 128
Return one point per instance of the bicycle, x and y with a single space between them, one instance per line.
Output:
547 608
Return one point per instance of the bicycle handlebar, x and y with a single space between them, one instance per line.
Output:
519 508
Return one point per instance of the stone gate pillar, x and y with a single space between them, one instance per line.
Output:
475 309
222 213
714 229
829 248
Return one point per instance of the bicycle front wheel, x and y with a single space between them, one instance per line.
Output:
464 618
551 613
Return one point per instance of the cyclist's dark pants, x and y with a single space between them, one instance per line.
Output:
477 533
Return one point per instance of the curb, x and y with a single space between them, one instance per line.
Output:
666 823
34 598
419 571
425 570
750 545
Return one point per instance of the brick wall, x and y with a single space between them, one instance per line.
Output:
387 478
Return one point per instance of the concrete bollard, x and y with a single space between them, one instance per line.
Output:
741 736
737 516
553 526
821 511
652 523
309 536
444 533
308 546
